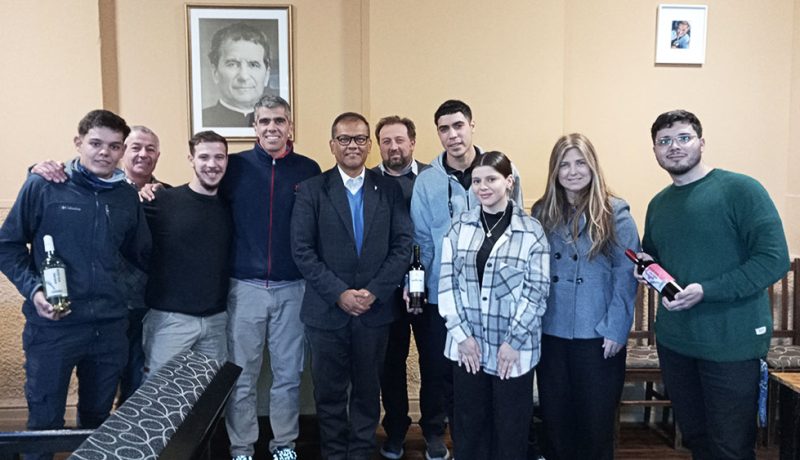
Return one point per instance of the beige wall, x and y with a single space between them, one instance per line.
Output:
531 70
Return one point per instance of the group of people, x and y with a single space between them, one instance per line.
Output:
261 252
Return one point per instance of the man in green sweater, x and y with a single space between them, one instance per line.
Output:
719 234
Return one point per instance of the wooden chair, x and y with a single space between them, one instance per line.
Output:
642 366
784 352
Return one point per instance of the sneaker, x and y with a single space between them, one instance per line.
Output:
243 457
392 450
436 449
284 453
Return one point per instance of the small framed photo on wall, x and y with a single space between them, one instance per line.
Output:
236 55
681 34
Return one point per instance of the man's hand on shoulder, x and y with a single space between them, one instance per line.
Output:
50 170
690 296
45 310
148 191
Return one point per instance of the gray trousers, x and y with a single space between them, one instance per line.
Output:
260 318
166 334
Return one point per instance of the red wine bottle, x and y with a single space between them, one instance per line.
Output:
416 282
655 276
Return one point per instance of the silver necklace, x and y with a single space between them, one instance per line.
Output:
489 231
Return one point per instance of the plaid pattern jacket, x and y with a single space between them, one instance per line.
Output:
510 304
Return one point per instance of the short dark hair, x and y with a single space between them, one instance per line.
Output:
396 120
452 106
347 116
206 136
103 119
667 119
497 160
235 32
270 101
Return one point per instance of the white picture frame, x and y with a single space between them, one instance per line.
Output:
208 89
681 34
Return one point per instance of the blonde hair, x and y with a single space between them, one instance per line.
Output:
594 201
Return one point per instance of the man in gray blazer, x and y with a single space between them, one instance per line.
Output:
351 240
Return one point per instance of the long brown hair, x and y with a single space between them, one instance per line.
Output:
594 201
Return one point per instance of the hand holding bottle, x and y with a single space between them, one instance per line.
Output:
690 296
45 310
407 300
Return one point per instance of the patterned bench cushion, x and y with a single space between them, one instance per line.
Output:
142 427
784 357
642 357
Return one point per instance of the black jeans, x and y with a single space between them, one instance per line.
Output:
492 416
715 404
429 335
579 392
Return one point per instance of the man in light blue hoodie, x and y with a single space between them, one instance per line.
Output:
441 193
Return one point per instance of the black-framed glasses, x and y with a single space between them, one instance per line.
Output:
344 140
683 139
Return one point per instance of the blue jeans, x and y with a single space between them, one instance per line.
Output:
715 404
98 351
579 392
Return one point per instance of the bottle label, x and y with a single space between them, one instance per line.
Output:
416 281
656 276
55 282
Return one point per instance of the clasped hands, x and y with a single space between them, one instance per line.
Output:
356 301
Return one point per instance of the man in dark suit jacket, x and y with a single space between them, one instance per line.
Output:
351 240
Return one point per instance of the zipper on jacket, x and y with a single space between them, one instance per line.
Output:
269 228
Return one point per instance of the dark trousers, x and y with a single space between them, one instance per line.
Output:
133 373
97 351
429 335
341 359
715 404
492 416
579 391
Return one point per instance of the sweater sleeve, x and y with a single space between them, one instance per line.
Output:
763 241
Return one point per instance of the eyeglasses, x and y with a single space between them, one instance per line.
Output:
683 139
345 140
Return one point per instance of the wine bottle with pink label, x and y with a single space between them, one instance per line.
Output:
655 276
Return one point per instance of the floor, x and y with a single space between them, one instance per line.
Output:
637 442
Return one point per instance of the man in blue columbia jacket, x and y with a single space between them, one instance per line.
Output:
95 220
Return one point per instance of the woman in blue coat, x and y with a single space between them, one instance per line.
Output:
590 307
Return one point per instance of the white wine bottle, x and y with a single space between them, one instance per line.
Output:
54 278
